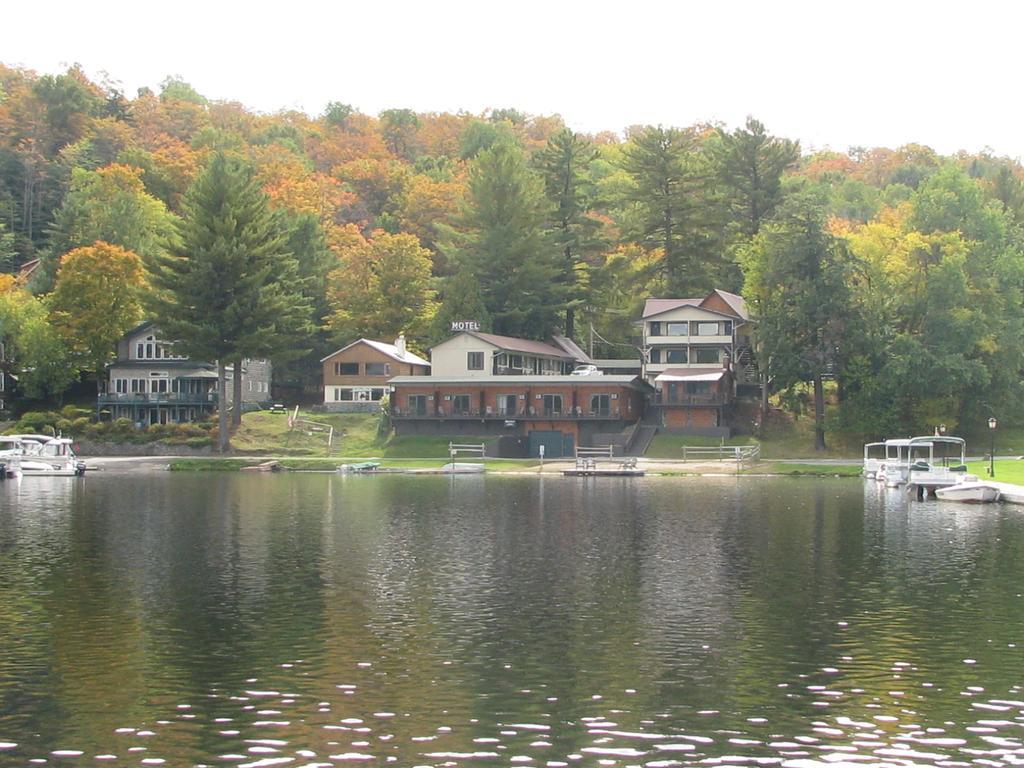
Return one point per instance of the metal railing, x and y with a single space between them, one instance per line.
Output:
526 413
741 454
147 398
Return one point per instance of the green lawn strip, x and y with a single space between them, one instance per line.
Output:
1007 470
814 470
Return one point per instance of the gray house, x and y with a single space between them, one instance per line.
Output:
150 383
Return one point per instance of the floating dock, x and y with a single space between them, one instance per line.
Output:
604 472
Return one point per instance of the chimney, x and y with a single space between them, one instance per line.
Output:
400 345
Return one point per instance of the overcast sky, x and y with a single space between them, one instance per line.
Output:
832 74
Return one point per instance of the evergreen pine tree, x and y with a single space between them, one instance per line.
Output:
223 289
563 164
502 240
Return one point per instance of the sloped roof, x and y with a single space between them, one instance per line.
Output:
513 344
657 306
573 349
737 302
733 301
385 349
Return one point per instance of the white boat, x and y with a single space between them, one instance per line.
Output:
53 458
930 461
972 493
462 468
874 459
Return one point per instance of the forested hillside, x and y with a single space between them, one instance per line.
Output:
895 276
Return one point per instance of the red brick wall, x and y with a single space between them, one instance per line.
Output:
679 418
628 402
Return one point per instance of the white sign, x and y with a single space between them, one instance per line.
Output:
465 325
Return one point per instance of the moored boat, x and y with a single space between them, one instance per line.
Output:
53 458
972 493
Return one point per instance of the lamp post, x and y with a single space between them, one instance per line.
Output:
992 448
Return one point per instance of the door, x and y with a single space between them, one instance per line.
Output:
554 442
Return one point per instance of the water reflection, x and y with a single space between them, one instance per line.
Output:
319 620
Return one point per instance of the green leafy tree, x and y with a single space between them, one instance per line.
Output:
564 164
217 287
501 237
109 205
96 300
399 128
34 348
461 301
797 285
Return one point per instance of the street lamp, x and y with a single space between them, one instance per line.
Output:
992 448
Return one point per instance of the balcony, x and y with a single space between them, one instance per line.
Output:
158 398
580 414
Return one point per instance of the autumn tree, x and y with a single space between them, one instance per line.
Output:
382 288
96 300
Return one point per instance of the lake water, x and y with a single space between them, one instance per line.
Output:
304 620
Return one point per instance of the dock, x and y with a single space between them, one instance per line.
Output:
588 467
1008 492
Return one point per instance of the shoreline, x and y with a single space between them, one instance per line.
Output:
327 465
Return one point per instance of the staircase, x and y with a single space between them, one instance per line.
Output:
745 366
641 440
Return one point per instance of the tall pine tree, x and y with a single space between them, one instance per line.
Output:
563 164
220 294
665 167
502 239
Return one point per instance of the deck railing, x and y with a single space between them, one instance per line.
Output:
528 413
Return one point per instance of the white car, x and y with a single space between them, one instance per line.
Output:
585 370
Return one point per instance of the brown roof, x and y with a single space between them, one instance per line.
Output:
733 301
512 344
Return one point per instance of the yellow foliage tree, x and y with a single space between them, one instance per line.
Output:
96 300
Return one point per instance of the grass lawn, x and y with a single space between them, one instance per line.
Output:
817 470
1007 470
355 436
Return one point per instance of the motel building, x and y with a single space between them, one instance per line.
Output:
520 390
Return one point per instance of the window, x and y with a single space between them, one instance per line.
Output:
600 405
698 387
475 361
656 355
460 405
727 328
676 355
342 394
121 386
706 355
376 393
706 329
552 405
655 329
418 405
346 369
507 405
140 350
378 369
678 329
